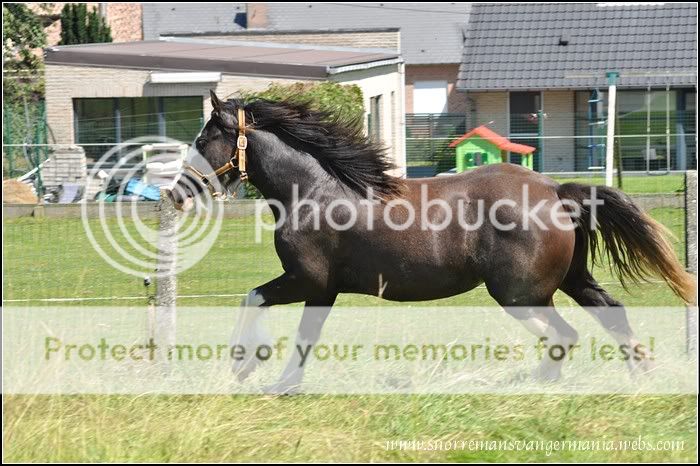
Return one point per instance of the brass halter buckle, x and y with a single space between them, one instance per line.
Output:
241 145
238 160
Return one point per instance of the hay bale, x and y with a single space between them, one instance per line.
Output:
16 192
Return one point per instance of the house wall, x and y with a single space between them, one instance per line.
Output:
124 20
387 81
484 107
456 101
64 83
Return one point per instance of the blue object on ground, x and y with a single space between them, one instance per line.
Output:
139 188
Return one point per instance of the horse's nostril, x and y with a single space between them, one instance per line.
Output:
174 196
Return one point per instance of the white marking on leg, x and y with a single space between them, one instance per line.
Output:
382 286
539 325
249 326
249 331
301 356
536 325
253 299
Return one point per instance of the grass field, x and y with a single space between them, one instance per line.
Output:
336 428
634 184
51 259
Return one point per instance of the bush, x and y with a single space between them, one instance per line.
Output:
343 101
340 100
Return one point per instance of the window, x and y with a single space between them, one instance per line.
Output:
525 125
139 118
643 118
95 120
115 120
430 97
182 117
374 119
523 112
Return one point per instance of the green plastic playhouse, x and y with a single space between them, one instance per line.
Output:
482 146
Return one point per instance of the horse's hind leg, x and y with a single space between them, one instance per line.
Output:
558 339
611 314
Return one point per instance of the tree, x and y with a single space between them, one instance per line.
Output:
104 31
93 25
22 35
67 18
80 26
80 23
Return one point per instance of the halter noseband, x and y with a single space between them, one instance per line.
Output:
237 160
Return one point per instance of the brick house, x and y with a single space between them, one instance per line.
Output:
99 95
538 73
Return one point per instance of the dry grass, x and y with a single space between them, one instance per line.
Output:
335 428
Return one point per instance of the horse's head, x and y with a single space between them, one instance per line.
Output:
212 163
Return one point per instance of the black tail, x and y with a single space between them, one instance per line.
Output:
635 244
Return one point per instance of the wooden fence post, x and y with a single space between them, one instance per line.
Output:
163 329
691 254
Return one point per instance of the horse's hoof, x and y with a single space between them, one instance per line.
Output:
641 368
241 375
281 389
520 377
546 374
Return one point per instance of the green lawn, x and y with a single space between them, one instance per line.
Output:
632 184
635 184
50 258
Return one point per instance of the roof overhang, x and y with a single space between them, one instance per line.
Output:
179 77
239 58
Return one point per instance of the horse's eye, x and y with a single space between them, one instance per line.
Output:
200 143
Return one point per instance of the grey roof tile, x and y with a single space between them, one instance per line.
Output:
512 46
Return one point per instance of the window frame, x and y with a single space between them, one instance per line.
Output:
423 84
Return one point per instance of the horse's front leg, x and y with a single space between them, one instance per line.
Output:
249 333
315 313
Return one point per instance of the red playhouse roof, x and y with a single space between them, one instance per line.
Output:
495 139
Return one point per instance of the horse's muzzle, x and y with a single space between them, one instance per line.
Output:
181 198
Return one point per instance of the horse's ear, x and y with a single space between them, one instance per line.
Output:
215 102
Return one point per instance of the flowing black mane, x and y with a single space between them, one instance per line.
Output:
338 144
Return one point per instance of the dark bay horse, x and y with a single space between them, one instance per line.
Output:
295 153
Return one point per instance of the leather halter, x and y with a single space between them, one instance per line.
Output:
237 160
